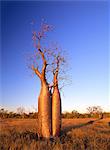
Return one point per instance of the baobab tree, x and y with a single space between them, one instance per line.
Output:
49 100
44 100
56 68
56 103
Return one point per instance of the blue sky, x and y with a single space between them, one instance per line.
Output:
81 28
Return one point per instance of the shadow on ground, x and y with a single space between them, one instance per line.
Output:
29 135
34 136
69 128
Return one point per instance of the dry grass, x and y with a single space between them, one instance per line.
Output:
77 134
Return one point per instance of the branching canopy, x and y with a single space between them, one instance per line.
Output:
48 61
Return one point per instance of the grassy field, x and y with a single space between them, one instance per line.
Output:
77 134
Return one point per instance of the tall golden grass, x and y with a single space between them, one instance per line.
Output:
77 134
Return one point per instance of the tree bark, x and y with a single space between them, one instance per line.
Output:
56 112
44 111
44 102
56 106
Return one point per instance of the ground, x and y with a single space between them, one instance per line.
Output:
76 134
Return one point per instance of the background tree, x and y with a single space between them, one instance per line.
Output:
3 113
21 111
95 111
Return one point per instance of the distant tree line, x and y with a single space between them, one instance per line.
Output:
92 112
6 114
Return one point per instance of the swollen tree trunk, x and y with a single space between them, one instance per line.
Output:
56 112
56 107
44 111
44 102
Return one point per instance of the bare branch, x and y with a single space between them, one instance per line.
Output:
36 71
56 71
44 63
52 57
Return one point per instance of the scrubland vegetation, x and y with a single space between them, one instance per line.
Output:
76 134
92 112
